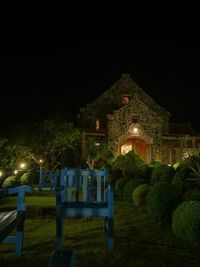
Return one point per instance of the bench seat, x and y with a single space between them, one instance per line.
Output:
14 219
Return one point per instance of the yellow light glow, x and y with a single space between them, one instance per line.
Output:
125 149
1 173
40 160
22 165
135 130
15 171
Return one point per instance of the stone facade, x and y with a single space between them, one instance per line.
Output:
136 121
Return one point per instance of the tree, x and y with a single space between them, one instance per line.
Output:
50 140
98 156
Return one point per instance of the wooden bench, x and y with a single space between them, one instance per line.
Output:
14 219
84 193
47 180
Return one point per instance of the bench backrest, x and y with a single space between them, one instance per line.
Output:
82 185
48 180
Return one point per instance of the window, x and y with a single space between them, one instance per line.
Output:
125 99
97 124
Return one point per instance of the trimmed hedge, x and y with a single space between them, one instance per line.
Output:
139 195
128 189
162 173
27 178
162 200
11 181
186 222
119 187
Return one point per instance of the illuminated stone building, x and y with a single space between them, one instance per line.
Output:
127 118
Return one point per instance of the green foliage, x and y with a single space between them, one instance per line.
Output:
131 166
186 222
162 199
128 189
176 165
98 156
191 161
183 178
119 187
11 181
115 175
139 194
162 173
27 178
51 139
192 194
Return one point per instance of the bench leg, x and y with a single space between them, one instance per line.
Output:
108 230
59 228
19 239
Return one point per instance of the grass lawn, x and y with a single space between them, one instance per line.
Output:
138 240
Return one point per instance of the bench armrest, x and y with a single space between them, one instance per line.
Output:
20 191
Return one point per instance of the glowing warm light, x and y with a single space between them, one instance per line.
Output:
40 160
1 173
22 165
125 149
135 130
15 171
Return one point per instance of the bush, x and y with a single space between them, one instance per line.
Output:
193 194
128 189
27 178
162 173
11 181
162 199
119 187
186 222
139 194
181 178
130 165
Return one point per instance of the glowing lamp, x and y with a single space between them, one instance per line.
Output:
22 165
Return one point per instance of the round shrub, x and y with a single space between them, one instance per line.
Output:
139 194
128 189
162 199
186 222
162 173
119 187
11 181
130 165
26 178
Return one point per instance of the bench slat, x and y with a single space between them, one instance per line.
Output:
10 222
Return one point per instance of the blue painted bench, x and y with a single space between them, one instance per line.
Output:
14 219
47 180
86 193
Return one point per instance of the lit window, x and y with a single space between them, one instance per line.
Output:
97 124
125 100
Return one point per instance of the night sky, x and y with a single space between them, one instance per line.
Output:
60 63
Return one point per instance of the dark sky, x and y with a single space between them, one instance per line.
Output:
60 63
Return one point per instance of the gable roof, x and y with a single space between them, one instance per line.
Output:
111 99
